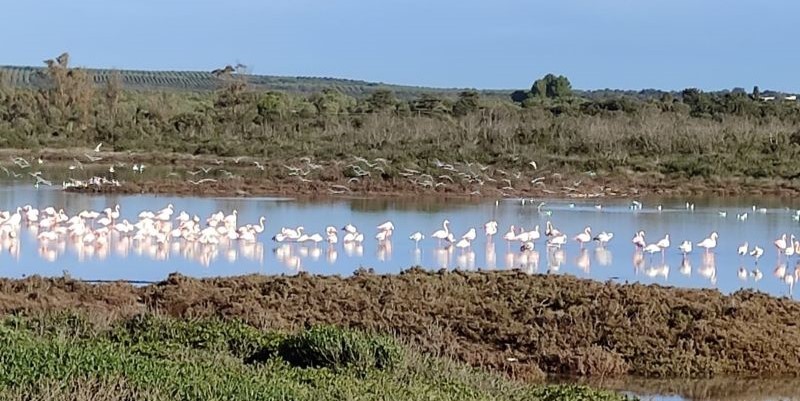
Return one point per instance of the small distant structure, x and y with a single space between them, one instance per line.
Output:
779 96
223 71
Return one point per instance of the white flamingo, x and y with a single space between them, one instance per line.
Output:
444 233
710 242
490 228
416 237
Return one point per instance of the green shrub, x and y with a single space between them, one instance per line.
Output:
336 348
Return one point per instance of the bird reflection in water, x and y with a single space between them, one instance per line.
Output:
509 259
231 255
253 251
603 256
708 267
442 256
555 258
529 261
331 255
638 261
417 256
353 249
658 270
491 256
583 261
466 260
384 250
48 253
686 266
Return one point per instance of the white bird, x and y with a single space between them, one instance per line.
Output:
742 273
638 239
710 242
742 250
529 236
443 233
653 248
463 243
350 228
551 231
604 238
584 237
97 148
470 235
664 242
756 252
757 275
382 236
780 243
685 247
490 228
417 237
557 241
511 235
387 226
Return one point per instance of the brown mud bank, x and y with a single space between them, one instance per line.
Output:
508 321
353 176
609 187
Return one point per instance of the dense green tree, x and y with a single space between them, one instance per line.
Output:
552 87
332 102
429 104
519 96
272 106
382 100
468 102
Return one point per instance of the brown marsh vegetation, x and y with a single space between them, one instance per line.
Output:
522 325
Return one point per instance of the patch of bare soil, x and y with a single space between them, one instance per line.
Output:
508 321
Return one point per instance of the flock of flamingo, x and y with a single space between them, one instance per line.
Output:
158 232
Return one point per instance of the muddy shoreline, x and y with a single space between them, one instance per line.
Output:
524 325
276 179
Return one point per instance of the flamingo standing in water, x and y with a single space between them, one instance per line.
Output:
638 240
444 233
416 237
604 238
685 247
491 229
710 242
584 237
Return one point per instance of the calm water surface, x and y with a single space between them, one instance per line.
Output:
126 259
130 260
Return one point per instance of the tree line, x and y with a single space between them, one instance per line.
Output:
690 133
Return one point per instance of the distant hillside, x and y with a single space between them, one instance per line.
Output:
34 77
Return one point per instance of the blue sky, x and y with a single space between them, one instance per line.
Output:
627 44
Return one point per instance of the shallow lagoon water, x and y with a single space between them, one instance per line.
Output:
124 259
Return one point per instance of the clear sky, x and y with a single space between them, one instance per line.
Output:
626 44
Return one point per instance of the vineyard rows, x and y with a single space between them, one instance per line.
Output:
35 77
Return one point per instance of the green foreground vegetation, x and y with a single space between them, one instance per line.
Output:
146 357
681 135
